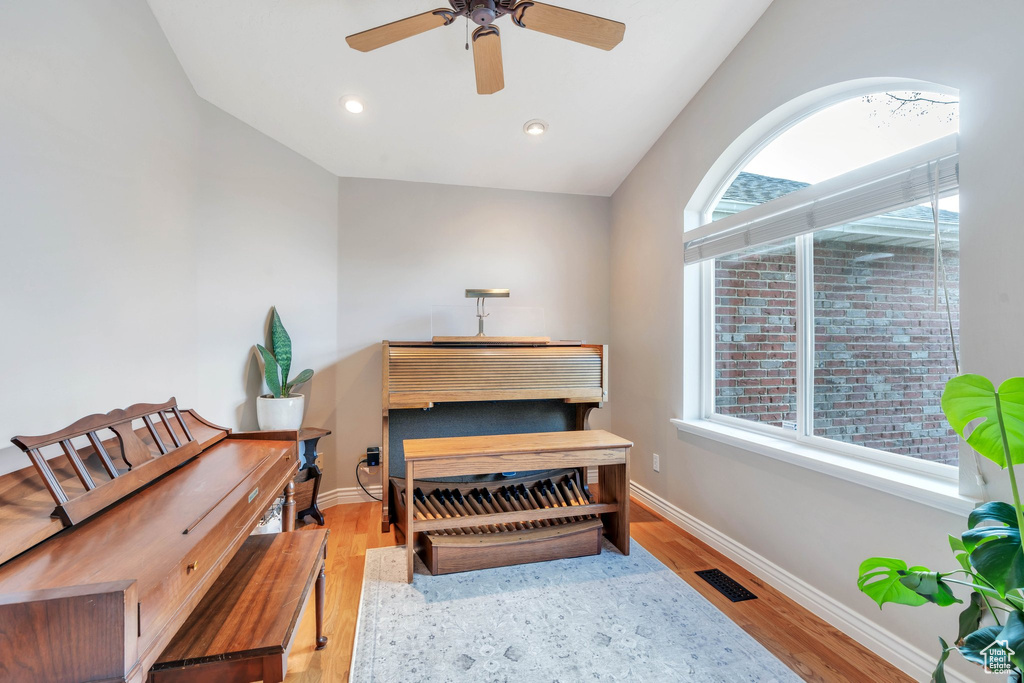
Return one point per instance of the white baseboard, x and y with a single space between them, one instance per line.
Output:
351 494
879 640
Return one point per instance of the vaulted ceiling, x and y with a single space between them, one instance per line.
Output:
282 66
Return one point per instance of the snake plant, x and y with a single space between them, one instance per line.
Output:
278 363
990 554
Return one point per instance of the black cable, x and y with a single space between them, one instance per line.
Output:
361 483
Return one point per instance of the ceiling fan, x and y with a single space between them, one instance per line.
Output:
536 16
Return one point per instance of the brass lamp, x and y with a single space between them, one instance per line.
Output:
481 296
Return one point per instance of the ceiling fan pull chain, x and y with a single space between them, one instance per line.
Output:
467 32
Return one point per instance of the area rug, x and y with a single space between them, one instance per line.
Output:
600 618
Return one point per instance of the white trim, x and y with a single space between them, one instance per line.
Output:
707 339
763 132
350 494
901 180
698 294
878 639
805 332
941 492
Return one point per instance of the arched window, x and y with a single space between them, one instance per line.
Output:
829 282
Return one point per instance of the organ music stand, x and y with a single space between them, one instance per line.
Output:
481 296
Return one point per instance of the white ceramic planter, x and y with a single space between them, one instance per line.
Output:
280 413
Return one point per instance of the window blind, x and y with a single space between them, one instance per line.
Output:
899 181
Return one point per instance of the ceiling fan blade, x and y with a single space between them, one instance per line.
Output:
399 30
569 24
490 74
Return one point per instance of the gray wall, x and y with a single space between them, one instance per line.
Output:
145 233
406 247
813 525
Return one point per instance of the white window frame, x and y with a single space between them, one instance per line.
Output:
933 483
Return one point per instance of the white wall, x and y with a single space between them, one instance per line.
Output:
144 233
405 247
811 524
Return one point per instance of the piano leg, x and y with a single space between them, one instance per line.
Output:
321 587
288 511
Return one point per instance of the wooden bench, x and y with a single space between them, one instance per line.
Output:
457 456
244 628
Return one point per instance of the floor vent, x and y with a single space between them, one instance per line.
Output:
725 585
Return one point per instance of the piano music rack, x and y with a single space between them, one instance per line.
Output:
136 462
174 497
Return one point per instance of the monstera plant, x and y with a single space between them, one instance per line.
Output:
282 408
990 554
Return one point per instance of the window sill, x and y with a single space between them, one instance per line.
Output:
935 492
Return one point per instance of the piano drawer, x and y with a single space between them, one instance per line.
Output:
220 531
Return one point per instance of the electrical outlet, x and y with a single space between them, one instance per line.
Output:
657 463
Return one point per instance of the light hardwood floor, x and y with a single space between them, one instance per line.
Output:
811 647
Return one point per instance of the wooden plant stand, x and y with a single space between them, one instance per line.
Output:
245 625
449 457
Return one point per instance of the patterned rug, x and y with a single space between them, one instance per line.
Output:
600 618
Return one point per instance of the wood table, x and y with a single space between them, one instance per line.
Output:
245 625
457 456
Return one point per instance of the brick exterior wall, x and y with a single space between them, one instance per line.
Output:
882 352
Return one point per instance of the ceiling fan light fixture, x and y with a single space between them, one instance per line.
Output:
559 22
352 104
483 12
535 127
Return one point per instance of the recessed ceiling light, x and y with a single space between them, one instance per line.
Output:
352 104
535 127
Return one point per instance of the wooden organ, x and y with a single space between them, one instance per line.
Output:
119 529
435 391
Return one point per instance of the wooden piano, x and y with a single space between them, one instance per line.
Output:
117 531
454 412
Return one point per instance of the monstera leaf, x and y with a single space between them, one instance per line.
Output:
995 551
960 552
929 585
939 675
885 579
995 511
994 637
972 399
980 640
970 618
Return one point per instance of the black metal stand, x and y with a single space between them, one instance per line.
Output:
309 470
